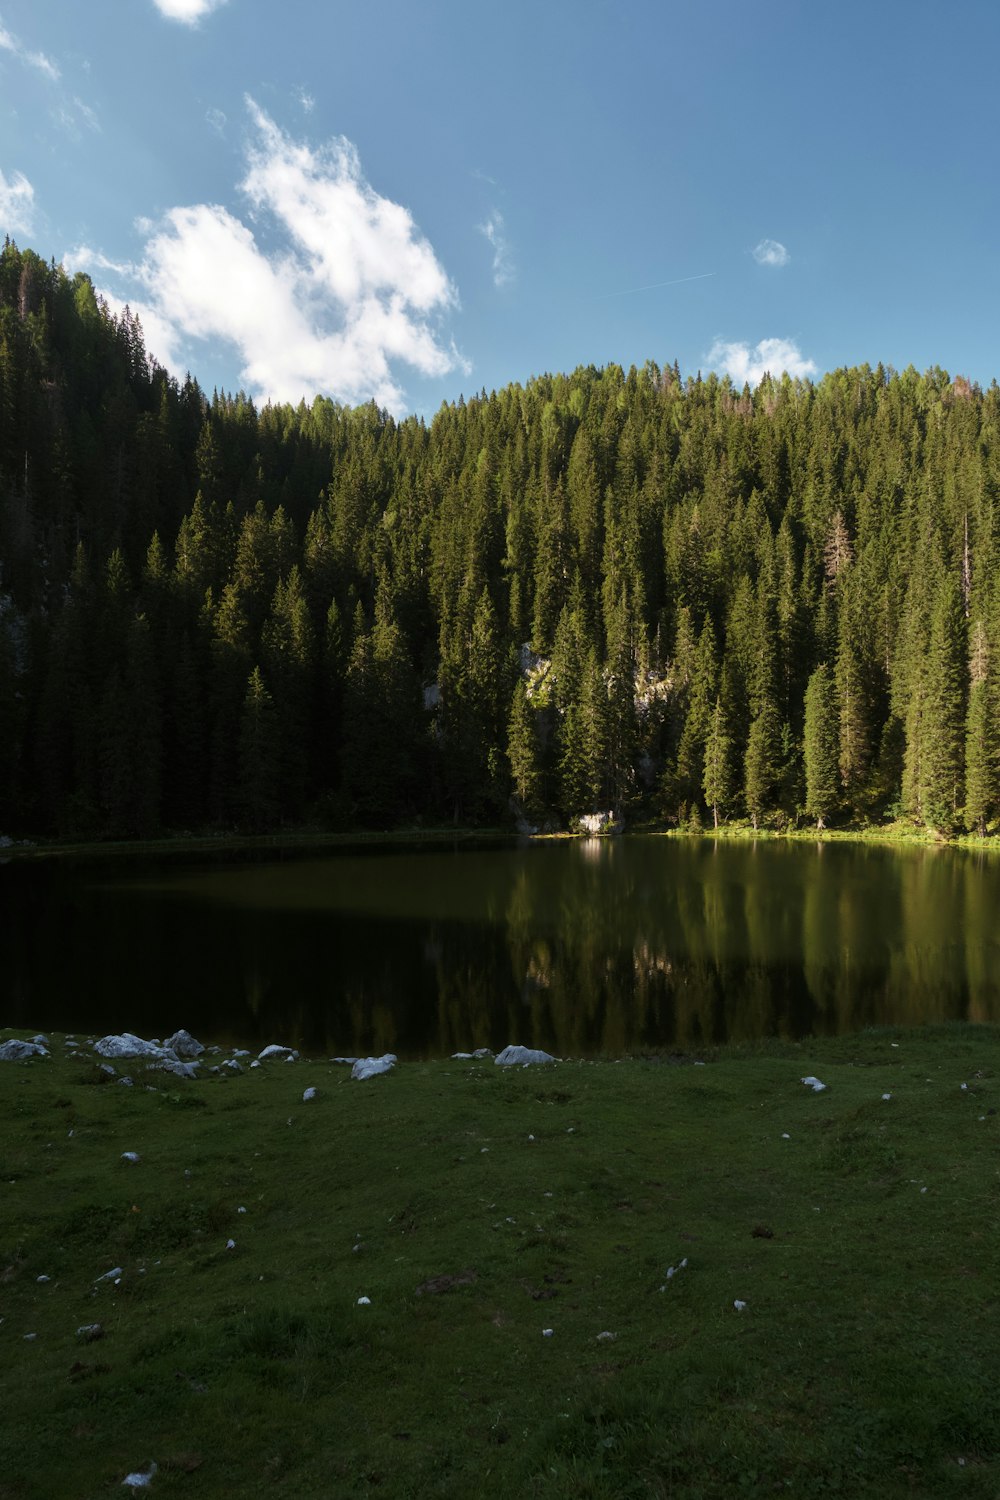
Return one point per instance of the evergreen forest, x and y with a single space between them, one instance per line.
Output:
624 591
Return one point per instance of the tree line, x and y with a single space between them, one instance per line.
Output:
615 590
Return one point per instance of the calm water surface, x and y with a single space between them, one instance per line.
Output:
585 948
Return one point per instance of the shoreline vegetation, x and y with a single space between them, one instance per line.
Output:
906 833
660 1275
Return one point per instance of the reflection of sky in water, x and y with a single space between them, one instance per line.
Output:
589 946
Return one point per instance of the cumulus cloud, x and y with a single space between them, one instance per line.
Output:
17 204
503 263
345 288
771 253
306 101
10 43
188 11
747 366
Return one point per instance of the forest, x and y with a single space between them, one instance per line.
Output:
663 597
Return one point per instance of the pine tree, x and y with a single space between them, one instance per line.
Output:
259 792
821 746
523 752
717 783
942 781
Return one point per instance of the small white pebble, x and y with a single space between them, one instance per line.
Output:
531 1137
28 1337
241 1210
606 1335
547 1333
893 1044
886 1096
130 1156
965 1085
364 1302
785 1136
739 1306
230 1244
42 1279
309 1094
483 1150
923 1190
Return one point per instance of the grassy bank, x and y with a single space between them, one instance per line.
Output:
476 1208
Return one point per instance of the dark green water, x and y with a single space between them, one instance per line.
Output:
600 946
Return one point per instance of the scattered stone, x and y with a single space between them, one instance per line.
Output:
739 1306
232 1066
547 1333
139 1481
606 1335
814 1084
114 1274
131 1156
287 1054
230 1244
15 1051
184 1044
126 1045
309 1094
42 1279
370 1067
29 1338
785 1136
41 1040
364 1302
886 1096
524 1057
90 1332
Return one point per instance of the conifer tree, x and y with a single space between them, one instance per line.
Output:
821 746
717 783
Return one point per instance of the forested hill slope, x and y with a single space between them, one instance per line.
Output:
599 590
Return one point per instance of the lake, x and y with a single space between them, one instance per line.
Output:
585 947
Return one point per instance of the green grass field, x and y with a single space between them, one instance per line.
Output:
476 1208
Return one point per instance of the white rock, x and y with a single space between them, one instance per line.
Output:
364 1302
184 1044
307 1095
814 1084
276 1051
370 1067
125 1044
139 1481
513 1056
130 1156
111 1275
886 1096
606 1335
41 1040
90 1332
232 1066
15 1051
785 1136
42 1279
547 1333
739 1306
230 1244
29 1338
240 1052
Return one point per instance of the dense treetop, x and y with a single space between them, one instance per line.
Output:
603 590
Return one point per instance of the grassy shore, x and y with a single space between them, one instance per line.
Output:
476 1208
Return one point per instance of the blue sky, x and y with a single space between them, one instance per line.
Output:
413 201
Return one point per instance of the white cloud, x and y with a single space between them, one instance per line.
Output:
771 253
10 43
348 288
306 101
217 119
503 264
747 366
188 11
17 204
